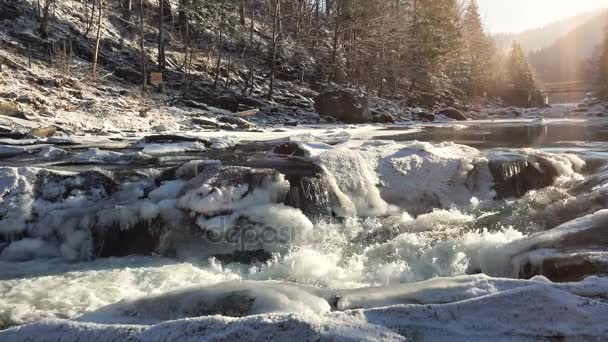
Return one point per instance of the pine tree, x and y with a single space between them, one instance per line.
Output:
521 88
479 52
602 70
436 49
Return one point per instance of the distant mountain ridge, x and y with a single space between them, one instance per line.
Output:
538 38
565 60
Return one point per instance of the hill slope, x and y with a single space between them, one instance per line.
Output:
564 60
538 38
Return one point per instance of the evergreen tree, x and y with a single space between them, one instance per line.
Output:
436 51
602 69
521 87
480 52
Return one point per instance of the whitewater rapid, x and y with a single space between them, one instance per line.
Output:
393 214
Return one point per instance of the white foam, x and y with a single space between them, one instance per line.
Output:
154 149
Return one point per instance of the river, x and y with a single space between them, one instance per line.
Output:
313 221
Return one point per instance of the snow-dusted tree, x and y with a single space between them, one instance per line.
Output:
97 40
276 14
601 83
220 34
521 86
164 11
436 49
479 52
44 13
142 51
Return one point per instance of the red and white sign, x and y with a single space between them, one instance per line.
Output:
156 78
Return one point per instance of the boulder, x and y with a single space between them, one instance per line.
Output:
168 139
44 132
141 239
236 121
194 104
514 177
383 118
426 116
13 109
344 105
244 257
289 149
230 103
452 113
201 121
569 252
566 267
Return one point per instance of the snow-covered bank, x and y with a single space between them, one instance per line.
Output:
471 308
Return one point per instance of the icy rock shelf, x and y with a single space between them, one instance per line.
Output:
293 233
79 216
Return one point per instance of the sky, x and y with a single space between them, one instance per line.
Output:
520 15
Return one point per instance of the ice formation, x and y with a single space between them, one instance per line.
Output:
399 213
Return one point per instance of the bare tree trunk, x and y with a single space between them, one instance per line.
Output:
249 81
336 40
127 7
44 20
29 55
298 16
161 38
275 35
219 48
64 58
381 71
95 56
242 12
186 43
90 22
415 59
141 46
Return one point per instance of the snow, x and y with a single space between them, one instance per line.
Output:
372 177
221 143
51 152
168 190
507 260
96 155
17 198
467 308
153 149
407 213
26 249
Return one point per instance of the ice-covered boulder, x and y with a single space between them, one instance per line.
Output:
237 122
233 299
344 105
242 208
516 174
383 118
452 113
569 252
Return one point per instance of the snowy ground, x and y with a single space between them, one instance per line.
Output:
466 308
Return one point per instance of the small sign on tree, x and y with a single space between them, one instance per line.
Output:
156 78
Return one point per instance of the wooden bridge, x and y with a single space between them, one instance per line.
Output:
567 87
565 91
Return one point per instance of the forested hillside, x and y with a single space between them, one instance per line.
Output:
567 59
270 56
